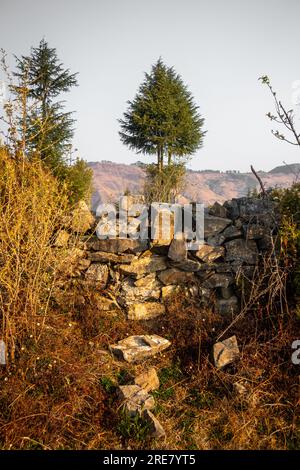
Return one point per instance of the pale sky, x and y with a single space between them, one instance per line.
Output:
220 48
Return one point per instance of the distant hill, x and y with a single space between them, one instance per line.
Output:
111 180
293 168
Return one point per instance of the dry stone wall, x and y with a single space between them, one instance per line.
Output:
143 274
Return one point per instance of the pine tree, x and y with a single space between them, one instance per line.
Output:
49 129
162 119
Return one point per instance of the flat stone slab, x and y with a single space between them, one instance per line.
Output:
176 276
208 253
225 352
214 225
105 257
130 294
188 265
139 347
145 310
118 245
145 265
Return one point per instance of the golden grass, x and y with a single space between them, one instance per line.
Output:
58 390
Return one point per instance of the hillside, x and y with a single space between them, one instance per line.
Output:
112 179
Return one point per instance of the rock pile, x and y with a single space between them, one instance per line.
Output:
143 273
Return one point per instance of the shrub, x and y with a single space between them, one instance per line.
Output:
32 205
164 185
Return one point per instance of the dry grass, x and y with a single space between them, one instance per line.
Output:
58 390
31 210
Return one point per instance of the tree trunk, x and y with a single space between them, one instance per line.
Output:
159 159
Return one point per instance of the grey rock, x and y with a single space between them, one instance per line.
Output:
177 250
186 265
148 380
256 232
228 306
145 310
241 250
232 232
218 210
106 257
155 428
226 292
137 348
216 240
135 399
2 353
130 293
117 245
144 265
232 208
98 273
82 219
226 352
214 225
175 276
148 281
208 253
218 280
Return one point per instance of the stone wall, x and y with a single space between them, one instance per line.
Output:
143 274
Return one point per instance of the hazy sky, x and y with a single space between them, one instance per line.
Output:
219 47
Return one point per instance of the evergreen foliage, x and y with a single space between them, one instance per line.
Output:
163 118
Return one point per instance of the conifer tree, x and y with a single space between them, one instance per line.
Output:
49 129
163 118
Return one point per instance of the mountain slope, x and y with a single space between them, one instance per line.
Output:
111 180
